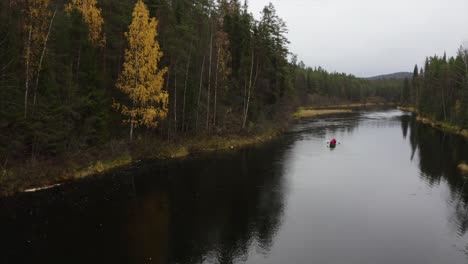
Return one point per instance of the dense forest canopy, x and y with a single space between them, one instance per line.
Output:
439 90
78 73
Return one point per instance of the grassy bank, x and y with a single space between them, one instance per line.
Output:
316 111
444 126
38 174
308 113
355 105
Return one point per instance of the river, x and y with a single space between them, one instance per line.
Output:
389 193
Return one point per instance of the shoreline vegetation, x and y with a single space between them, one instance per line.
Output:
450 128
443 126
44 174
308 113
317 111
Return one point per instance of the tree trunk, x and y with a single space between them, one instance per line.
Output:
168 114
209 84
42 58
185 87
244 100
133 101
131 129
216 88
246 111
28 54
175 98
77 74
199 93
443 104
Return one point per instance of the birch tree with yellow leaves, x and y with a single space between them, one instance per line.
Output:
37 30
92 17
141 79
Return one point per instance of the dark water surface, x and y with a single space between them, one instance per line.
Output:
389 193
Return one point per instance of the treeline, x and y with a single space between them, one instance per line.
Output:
439 90
316 86
60 64
79 73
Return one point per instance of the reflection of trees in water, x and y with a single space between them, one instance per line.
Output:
76 223
174 211
439 154
324 126
219 208
405 121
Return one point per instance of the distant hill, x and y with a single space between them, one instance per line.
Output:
396 75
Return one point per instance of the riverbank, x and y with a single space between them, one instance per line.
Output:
407 109
45 173
317 111
309 113
443 126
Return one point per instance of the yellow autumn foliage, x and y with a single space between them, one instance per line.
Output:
37 19
141 80
92 17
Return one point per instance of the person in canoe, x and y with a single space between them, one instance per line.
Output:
333 143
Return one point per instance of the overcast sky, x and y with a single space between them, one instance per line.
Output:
371 37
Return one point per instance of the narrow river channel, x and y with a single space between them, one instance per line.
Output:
388 193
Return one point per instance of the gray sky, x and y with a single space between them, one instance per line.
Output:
371 37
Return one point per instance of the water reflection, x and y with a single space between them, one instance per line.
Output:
439 155
405 121
292 201
320 128
227 206
193 211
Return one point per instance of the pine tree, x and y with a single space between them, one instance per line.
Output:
415 86
405 94
141 80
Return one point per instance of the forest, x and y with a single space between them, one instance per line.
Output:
439 90
190 131
82 73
